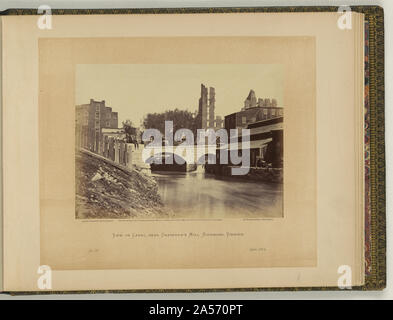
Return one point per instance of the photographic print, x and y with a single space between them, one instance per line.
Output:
179 141
173 154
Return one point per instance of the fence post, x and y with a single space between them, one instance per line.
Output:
121 152
116 151
129 155
101 144
105 151
110 147
124 153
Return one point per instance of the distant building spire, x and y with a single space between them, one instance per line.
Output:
251 100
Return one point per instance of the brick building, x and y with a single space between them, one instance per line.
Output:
254 110
90 119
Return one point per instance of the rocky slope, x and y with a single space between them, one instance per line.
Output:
104 190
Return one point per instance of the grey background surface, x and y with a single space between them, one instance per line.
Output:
387 5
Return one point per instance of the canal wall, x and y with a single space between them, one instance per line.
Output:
120 152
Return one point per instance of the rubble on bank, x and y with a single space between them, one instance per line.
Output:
107 191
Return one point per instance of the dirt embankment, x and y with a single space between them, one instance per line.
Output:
107 191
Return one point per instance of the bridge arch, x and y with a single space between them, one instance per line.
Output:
165 156
207 158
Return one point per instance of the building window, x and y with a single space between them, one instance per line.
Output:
244 120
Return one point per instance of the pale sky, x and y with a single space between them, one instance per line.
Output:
133 90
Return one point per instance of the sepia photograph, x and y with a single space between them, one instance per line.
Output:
188 152
175 149
179 141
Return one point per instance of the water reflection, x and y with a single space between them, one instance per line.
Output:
205 196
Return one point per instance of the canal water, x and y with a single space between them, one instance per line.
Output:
198 195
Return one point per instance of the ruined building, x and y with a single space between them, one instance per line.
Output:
212 100
254 110
206 110
251 100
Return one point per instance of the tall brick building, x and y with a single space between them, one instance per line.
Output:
90 119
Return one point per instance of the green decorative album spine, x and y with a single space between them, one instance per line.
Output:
377 278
